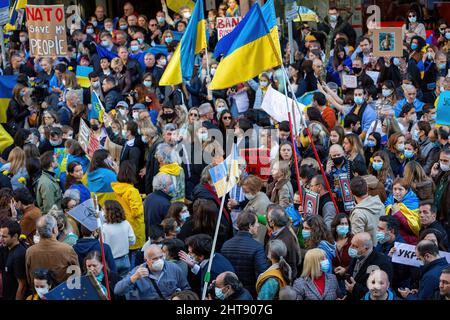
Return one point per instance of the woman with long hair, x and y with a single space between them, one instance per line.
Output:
420 183
373 145
130 200
73 180
338 66
396 147
380 167
403 204
316 283
353 148
278 275
337 135
179 212
340 229
280 190
15 168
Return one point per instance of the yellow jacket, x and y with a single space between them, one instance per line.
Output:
129 198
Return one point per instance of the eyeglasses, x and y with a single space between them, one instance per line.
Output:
226 118
193 114
152 25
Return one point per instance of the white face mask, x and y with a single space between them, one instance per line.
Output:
250 196
163 62
136 115
203 136
187 15
41 292
158 265
123 112
36 238
444 167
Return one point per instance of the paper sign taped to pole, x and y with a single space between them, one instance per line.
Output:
406 254
225 25
47 31
349 81
274 103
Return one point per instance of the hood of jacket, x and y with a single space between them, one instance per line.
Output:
120 188
371 204
86 245
372 181
173 169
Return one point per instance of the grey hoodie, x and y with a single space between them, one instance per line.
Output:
365 216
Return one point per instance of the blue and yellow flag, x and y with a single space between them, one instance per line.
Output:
181 66
5 139
13 15
306 98
7 84
219 173
83 76
251 51
97 109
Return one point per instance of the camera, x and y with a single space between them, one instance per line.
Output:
133 94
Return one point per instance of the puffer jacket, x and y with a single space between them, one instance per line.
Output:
130 199
365 216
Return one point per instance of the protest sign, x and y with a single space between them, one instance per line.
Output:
47 30
406 254
349 81
83 135
347 195
93 145
374 75
225 25
311 203
258 162
4 12
443 109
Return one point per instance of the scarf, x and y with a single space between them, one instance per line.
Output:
409 207
172 169
217 200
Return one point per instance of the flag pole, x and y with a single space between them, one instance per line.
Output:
302 118
102 249
207 277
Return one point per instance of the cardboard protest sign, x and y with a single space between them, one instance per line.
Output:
47 30
83 135
311 203
349 81
347 196
443 109
406 254
225 25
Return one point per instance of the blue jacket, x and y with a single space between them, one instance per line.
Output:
86 245
391 296
156 206
84 192
65 115
429 282
418 105
330 252
248 258
100 180
220 264
333 74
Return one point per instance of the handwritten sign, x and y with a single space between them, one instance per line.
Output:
406 254
226 25
83 135
47 30
349 81
443 109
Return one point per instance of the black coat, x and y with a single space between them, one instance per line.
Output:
156 206
375 260
346 28
112 98
133 153
152 167
16 115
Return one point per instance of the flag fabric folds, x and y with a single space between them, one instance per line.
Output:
219 173
18 4
85 214
250 51
83 76
306 15
5 139
97 108
306 99
7 84
181 65
88 289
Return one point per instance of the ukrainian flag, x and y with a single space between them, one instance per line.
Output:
83 76
97 109
99 182
219 174
7 84
180 67
251 51
18 4
5 139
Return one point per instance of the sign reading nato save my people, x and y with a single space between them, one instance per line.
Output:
47 31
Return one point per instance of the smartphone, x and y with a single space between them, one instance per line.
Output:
347 277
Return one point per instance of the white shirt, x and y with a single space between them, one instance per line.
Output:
119 236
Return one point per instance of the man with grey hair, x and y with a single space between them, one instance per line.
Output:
156 279
158 202
168 163
66 112
206 113
365 260
278 221
49 253
410 93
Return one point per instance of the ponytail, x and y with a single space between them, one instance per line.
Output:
285 269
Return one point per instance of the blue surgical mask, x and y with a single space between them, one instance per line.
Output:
442 66
95 23
89 31
140 40
184 216
123 27
134 48
381 236
359 100
148 84
401 147
306 234
105 43
377 166
447 35
412 19
353 253
433 117
325 265
414 46
371 143
396 61
409 154
219 294
178 229
415 135
109 29
342 230
169 39
386 92
171 189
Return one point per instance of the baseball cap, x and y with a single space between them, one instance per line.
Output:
138 106
310 38
122 104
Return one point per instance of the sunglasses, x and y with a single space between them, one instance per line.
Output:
411 16
152 25
193 114
226 118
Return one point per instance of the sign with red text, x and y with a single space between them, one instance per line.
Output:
47 30
226 25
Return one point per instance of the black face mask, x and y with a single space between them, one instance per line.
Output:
357 70
296 206
338 161
95 127
167 116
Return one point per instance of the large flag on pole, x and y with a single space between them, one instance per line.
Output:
97 109
251 51
181 65
219 173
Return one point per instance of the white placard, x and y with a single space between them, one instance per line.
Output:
374 75
406 254
83 135
225 25
349 81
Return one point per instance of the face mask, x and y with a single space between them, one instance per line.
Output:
123 112
359 100
36 238
433 117
414 46
447 35
249 196
263 84
144 139
160 20
429 56
178 229
342 230
353 253
169 39
325 265
105 43
400 147
442 66
220 109
444 167
338 160
333 18
148 84
203 136
415 135
171 189
441 31
409 154
386 92
96 84
371 143
89 31
377 166
163 62
168 116
136 116
123 27
95 23
23 39
41 292
184 215
306 234
95 127
357 70
140 40
109 29
186 15
396 61
412 19
219 293
213 71
158 265
134 48
55 143
381 237
413 118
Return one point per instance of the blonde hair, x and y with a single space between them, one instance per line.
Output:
17 160
71 80
283 167
311 264
116 62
